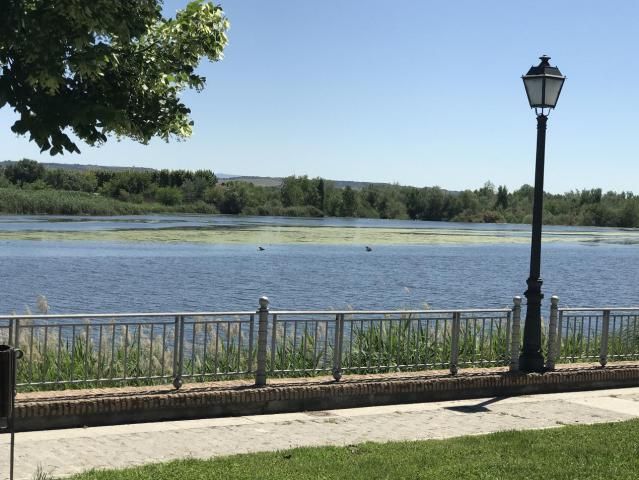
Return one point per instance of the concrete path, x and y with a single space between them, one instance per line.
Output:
64 452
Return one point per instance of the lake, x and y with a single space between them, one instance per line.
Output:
199 262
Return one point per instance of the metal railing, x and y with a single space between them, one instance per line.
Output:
130 348
596 334
382 341
147 348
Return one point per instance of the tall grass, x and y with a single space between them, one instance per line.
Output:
61 202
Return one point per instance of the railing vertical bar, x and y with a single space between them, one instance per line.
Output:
491 347
251 345
59 365
205 348
164 346
562 340
441 359
408 358
283 364
337 354
473 350
111 373
574 334
86 353
627 336
295 323
304 345
382 354
634 331
614 328
321 353
508 333
194 326
603 353
482 346
125 368
454 344
274 325
349 363
425 330
139 346
417 357
177 381
150 371
72 367
217 348
45 349
227 355
362 335
176 347
99 365
12 339
31 353
239 347
597 327
399 336
315 341
17 333
347 360
590 319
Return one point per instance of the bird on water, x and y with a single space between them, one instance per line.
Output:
260 249
369 249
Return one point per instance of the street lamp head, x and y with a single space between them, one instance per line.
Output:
543 84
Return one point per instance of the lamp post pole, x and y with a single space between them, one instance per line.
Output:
531 359
543 85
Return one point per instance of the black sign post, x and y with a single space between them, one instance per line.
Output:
8 361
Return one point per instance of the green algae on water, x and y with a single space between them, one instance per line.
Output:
273 234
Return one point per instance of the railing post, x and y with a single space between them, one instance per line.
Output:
337 346
515 335
454 344
178 352
552 333
605 329
262 332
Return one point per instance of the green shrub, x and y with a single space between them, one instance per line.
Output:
168 195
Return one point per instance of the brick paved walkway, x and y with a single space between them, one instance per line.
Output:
64 452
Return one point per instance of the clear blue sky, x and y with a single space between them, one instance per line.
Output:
411 91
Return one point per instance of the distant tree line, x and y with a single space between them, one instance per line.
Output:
200 191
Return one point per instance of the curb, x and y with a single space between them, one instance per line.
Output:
80 408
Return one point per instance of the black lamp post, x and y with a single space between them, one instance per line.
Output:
543 85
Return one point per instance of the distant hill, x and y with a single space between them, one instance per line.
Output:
223 177
277 181
77 166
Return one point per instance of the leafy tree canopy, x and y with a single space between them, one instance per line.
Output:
103 67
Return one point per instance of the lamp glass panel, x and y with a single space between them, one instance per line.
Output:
534 90
553 87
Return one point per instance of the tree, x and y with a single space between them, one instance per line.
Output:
502 197
349 202
103 67
291 192
24 171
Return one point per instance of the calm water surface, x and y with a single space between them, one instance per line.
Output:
95 276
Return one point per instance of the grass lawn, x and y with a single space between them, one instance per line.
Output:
606 451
